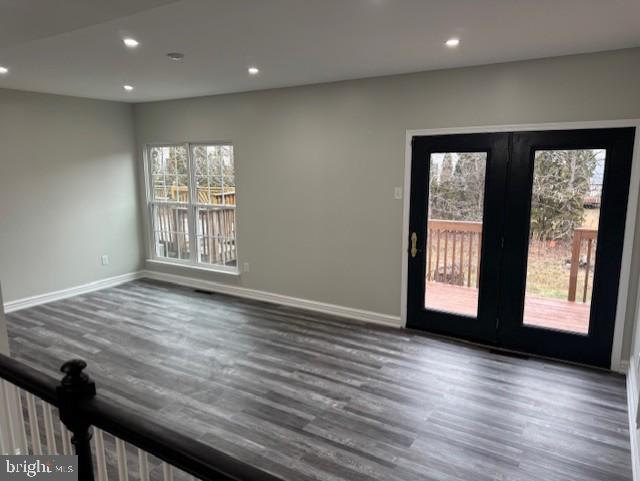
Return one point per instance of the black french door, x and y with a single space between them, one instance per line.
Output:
516 239
470 310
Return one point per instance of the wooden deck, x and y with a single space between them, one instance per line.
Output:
544 312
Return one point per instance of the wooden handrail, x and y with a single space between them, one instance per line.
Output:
80 408
455 225
191 456
25 377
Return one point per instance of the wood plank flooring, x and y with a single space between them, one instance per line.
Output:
312 397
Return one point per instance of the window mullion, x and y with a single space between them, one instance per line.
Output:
193 214
149 186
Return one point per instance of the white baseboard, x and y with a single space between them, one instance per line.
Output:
26 302
342 311
632 402
622 367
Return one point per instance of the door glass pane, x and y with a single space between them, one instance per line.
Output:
454 231
565 212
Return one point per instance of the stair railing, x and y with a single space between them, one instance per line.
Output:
85 420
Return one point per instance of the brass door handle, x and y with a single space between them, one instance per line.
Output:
414 244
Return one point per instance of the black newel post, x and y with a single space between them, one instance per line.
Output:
76 386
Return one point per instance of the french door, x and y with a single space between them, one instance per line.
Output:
516 238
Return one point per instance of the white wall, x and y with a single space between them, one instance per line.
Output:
67 192
4 335
317 165
633 391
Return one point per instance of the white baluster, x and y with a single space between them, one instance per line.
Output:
48 429
63 439
121 452
10 421
67 435
3 437
167 472
24 448
101 462
143 462
34 429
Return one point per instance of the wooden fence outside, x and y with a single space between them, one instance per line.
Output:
206 195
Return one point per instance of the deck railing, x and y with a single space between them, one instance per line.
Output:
454 254
95 428
215 226
216 232
580 237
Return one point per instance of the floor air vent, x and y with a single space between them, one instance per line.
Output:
509 353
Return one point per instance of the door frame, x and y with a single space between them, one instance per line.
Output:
617 364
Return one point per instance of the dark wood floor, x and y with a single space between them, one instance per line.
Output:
307 396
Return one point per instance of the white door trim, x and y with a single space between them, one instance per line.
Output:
630 224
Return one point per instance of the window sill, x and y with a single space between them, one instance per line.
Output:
230 271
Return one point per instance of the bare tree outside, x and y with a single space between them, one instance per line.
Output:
561 182
456 186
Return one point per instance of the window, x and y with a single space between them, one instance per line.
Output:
192 204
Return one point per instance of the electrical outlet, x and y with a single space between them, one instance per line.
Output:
105 260
246 267
397 193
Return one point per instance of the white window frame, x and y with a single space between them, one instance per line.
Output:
192 208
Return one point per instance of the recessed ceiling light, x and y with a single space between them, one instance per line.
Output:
131 42
254 70
175 55
3 70
452 42
128 88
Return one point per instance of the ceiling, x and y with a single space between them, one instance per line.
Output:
26 20
74 47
